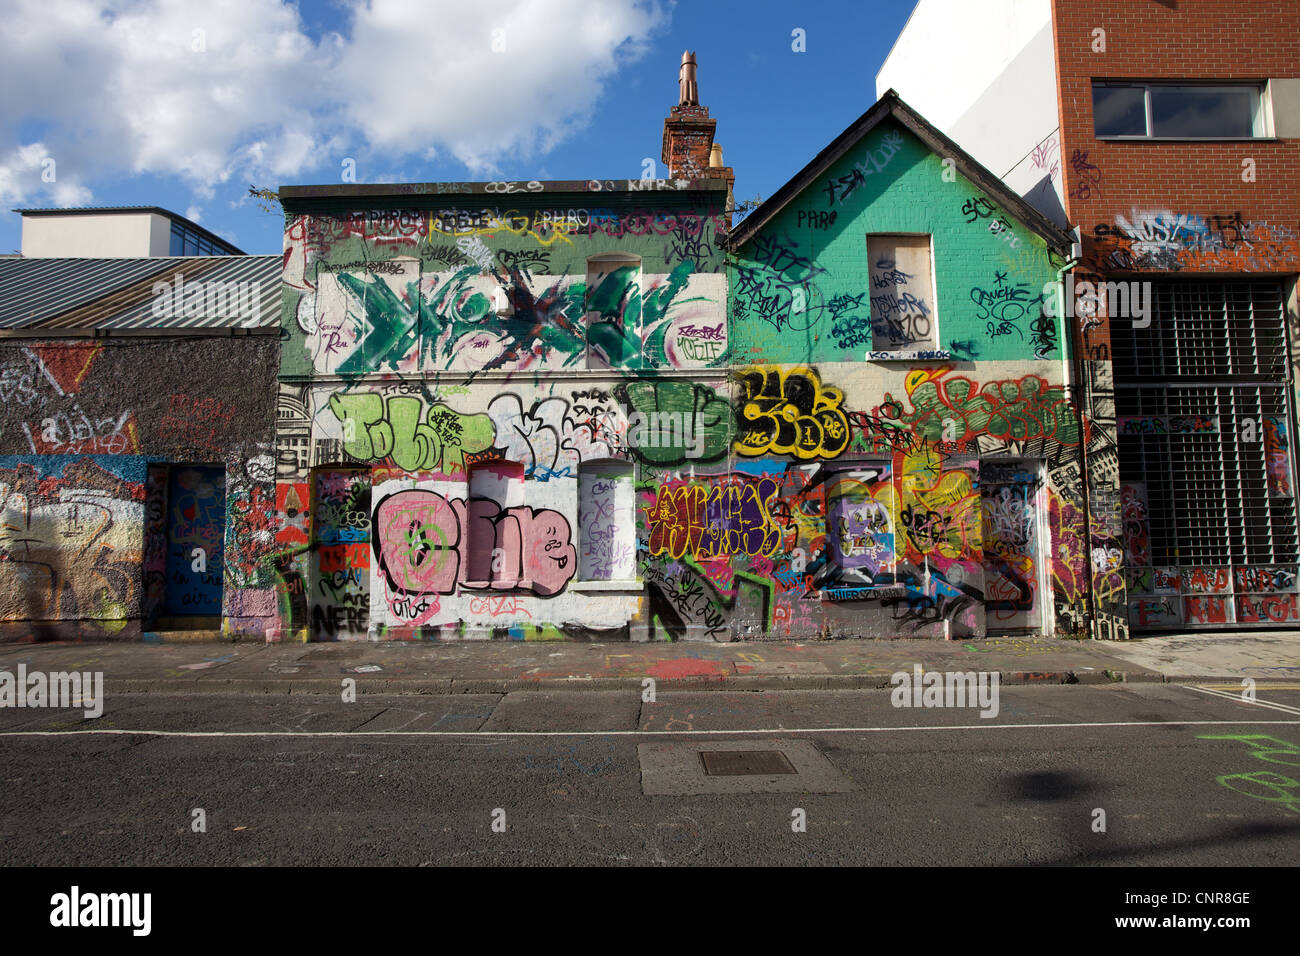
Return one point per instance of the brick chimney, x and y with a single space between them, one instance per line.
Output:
689 151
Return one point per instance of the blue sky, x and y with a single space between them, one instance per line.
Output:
182 105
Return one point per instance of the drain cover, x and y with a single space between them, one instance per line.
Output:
744 763
676 768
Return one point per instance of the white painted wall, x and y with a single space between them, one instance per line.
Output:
160 235
984 72
89 235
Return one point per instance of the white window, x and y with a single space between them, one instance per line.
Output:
495 544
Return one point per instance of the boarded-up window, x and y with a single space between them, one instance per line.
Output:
606 522
614 311
859 529
902 293
495 544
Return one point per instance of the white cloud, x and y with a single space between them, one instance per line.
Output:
238 92
486 79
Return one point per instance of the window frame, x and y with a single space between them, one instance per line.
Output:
829 585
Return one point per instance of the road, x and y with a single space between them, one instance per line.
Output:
417 779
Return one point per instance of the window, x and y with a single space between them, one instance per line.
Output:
1170 111
902 294
1207 485
606 521
614 311
187 242
495 552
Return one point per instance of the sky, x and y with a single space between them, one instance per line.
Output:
184 105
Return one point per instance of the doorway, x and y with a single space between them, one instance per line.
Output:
1014 558
196 533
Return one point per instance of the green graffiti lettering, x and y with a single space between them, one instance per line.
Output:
1274 782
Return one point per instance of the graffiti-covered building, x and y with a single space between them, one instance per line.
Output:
471 376
904 392
1180 176
534 410
136 469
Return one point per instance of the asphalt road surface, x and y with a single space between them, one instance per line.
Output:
1183 776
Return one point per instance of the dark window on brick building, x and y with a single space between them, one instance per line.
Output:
1172 111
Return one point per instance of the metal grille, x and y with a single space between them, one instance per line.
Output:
1202 380
1228 330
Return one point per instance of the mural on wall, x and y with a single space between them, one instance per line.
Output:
890 546
1162 240
789 412
41 385
134 406
445 558
71 539
847 270
503 290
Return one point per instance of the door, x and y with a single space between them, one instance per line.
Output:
1013 545
340 600
196 533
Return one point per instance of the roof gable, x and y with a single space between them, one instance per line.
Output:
889 105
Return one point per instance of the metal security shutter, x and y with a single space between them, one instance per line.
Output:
1204 418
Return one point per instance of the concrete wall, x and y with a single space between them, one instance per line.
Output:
95 437
456 372
160 235
984 73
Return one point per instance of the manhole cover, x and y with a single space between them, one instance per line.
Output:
745 763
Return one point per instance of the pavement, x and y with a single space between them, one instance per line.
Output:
468 667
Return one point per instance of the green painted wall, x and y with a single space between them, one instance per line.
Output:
816 249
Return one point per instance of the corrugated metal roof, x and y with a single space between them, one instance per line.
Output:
116 295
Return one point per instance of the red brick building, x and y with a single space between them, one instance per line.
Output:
1172 150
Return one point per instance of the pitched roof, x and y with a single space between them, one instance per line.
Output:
88 296
889 105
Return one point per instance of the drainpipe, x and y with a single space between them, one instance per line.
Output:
1078 389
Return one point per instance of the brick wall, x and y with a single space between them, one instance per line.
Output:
1192 40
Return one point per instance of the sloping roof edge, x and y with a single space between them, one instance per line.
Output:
890 105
